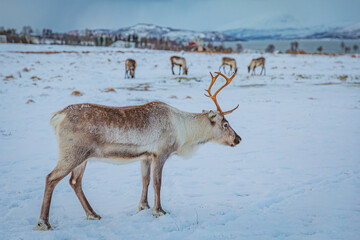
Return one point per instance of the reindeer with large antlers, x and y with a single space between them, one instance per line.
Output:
149 133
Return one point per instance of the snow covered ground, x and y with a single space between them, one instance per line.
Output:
295 175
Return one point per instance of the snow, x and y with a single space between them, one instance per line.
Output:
295 175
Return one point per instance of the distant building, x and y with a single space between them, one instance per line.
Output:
3 39
47 33
197 44
123 44
87 43
27 30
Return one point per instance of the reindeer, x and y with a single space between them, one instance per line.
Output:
180 61
149 133
230 62
255 63
130 65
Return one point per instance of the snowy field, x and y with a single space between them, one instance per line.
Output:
295 175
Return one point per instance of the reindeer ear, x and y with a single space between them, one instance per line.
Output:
212 116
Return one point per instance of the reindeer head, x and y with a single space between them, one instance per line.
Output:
132 72
222 132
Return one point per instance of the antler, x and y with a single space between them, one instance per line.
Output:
213 97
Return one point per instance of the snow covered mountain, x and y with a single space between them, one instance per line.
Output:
278 32
348 32
259 34
150 30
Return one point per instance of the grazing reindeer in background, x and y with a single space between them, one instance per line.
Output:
180 61
255 63
230 62
130 65
149 133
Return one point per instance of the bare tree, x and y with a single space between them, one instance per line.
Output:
270 48
347 49
342 45
320 48
355 47
294 46
239 48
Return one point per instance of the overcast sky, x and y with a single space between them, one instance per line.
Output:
65 15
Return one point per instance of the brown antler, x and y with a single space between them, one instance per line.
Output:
213 97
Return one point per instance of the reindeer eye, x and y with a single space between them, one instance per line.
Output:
226 125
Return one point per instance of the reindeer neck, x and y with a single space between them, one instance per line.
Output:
196 128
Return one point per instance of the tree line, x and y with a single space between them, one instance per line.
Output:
89 38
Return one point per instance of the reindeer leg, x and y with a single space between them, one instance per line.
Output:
261 70
172 69
179 69
67 162
264 71
158 164
75 183
145 172
51 181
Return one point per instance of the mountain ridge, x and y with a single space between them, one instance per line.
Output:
239 34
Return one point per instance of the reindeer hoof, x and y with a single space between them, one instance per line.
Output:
93 217
43 225
143 206
158 212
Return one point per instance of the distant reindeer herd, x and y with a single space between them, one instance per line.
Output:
130 65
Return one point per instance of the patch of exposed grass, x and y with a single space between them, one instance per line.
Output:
9 77
326 84
140 87
252 85
35 78
343 77
109 90
303 76
179 79
76 93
